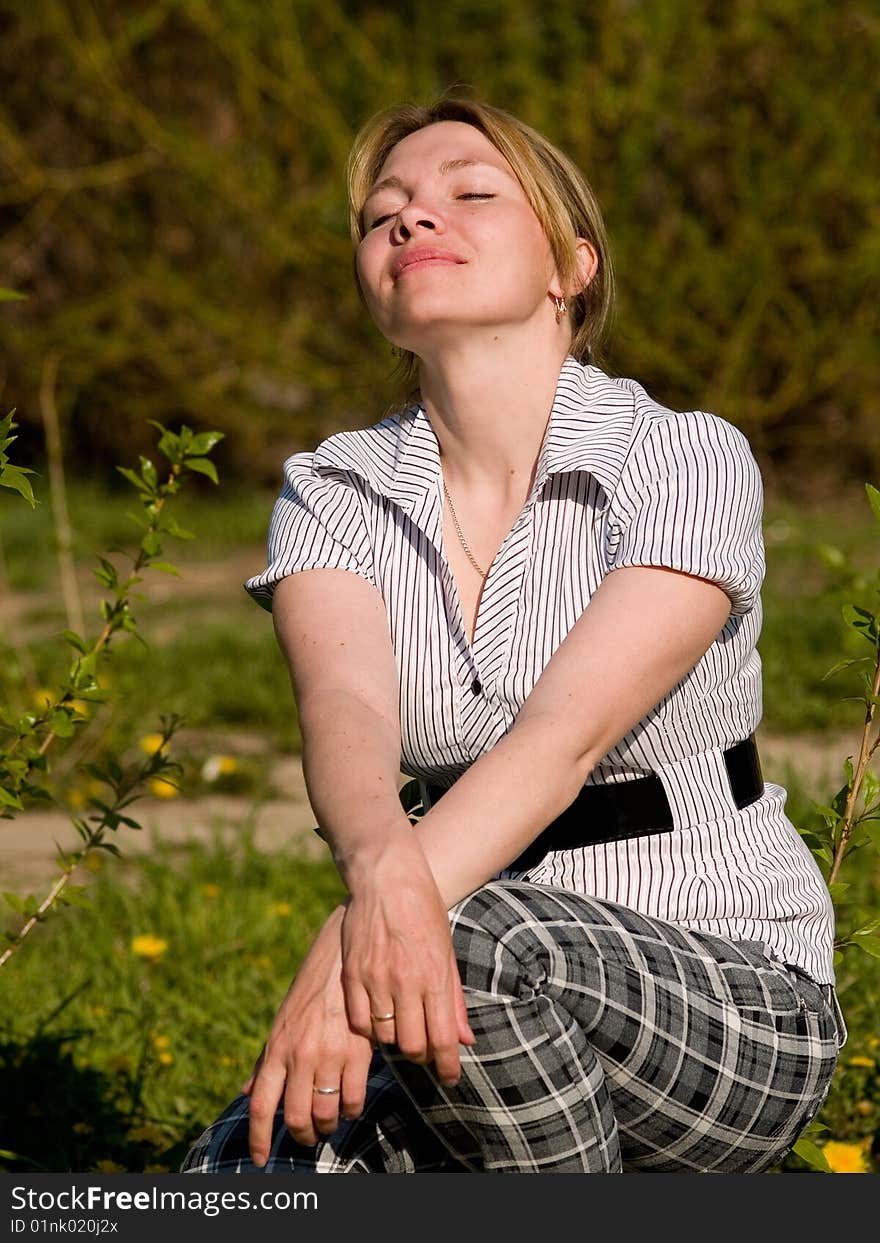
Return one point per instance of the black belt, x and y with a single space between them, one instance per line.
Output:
624 809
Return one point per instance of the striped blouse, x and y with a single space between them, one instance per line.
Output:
620 481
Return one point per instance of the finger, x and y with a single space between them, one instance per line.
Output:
442 1026
465 1031
326 1094
354 1083
408 1030
299 1101
357 1008
264 1103
383 1020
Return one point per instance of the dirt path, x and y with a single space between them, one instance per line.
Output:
27 844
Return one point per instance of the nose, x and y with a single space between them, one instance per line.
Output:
414 217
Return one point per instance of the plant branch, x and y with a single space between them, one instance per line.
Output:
866 751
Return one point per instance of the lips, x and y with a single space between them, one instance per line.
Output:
423 255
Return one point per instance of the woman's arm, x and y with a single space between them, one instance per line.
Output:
389 948
643 630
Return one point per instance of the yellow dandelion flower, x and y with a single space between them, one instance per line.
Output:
160 788
859 1060
263 961
211 891
165 1058
846 1158
281 908
225 1060
161 1042
151 743
219 766
865 1108
873 1042
98 1012
76 798
148 946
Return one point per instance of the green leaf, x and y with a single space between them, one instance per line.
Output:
179 532
15 477
838 889
874 498
15 902
8 799
12 295
75 640
74 895
152 543
165 567
61 723
134 478
149 473
871 945
204 442
844 664
202 466
813 1155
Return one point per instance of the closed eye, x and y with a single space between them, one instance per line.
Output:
471 194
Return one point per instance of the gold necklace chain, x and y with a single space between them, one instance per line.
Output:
482 573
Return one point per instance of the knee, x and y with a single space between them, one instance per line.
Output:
496 939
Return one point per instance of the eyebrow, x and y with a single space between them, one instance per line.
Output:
448 166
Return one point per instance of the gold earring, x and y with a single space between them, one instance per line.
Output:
559 303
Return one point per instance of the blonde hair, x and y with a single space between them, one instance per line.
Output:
555 187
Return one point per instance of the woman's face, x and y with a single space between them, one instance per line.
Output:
451 241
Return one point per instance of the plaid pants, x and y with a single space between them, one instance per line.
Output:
606 1041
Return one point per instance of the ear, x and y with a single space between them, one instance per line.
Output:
587 264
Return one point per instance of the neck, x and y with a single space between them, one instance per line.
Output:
489 404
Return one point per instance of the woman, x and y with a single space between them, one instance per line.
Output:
603 946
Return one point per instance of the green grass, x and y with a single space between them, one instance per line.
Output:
110 1057
222 518
803 634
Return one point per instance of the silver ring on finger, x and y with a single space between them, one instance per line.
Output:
382 1018
326 1091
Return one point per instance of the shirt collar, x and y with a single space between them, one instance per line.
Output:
589 429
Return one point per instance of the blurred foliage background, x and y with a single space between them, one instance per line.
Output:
172 204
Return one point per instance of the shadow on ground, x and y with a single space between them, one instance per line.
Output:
59 1117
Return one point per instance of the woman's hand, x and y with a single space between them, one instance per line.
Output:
311 1045
401 978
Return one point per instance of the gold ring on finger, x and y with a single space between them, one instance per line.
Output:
382 1018
326 1091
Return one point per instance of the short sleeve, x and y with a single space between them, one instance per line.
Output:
690 498
318 522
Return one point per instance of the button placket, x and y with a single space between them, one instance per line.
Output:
498 608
